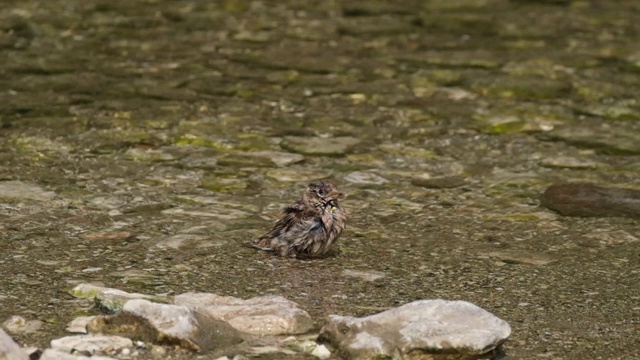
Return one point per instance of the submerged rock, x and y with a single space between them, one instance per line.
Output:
421 329
20 190
9 350
318 145
262 315
167 324
580 199
447 182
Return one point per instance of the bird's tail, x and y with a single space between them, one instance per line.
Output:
263 243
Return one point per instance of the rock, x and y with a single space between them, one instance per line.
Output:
278 158
319 146
9 350
447 182
21 190
19 325
568 162
616 140
79 324
262 315
426 327
364 275
578 199
296 175
167 324
365 178
52 354
91 344
108 300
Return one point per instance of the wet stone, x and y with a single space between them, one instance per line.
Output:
168 324
568 162
446 182
9 350
262 315
319 146
578 199
614 140
296 175
365 178
430 327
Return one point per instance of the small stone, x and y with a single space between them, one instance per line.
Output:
578 199
53 354
79 324
568 162
19 325
319 146
365 178
91 344
520 257
262 315
364 275
167 324
9 350
429 327
109 300
447 182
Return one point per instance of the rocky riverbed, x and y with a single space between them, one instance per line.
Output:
144 144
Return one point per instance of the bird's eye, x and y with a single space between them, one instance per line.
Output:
321 192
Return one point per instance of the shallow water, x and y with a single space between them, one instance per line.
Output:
183 128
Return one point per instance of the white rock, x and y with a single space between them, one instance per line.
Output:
19 325
52 354
108 299
91 343
263 315
9 350
79 324
459 328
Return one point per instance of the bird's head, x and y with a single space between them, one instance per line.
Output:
321 192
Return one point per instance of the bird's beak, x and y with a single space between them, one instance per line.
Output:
336 194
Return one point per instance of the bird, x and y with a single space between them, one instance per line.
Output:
310 226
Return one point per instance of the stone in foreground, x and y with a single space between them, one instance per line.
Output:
262 315
577 199
91 344
9 350
167 324
424 329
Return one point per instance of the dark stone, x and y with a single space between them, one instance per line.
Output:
591 200
447 182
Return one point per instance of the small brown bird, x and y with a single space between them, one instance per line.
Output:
309 226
